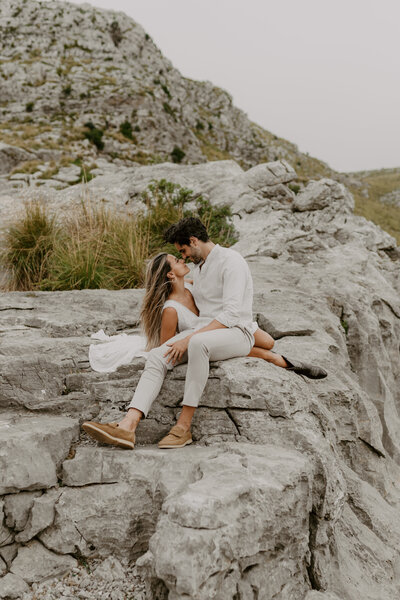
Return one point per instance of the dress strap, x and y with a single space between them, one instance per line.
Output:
171 304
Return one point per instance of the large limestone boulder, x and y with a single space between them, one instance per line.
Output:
31 450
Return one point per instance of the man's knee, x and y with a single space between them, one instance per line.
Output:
197 345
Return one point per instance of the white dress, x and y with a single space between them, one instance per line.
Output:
118 350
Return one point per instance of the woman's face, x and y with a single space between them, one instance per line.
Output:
178 267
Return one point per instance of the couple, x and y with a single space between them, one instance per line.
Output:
213 315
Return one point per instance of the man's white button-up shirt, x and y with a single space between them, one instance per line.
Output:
223 289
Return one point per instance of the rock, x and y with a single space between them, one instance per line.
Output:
8 553
31 450
35 563
3 567
269 174
70 174
199 527
392 198
17 508
12 586
6 536
314 595
11 156
100 519
325 193
41 516
109 570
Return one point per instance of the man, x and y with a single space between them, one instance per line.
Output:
223 292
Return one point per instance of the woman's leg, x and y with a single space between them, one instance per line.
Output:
263 343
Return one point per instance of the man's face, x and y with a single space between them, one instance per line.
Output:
191 252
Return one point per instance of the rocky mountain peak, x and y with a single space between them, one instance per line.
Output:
64 66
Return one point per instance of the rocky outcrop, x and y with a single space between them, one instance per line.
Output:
292 488
93 89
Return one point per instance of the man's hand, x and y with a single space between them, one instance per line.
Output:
177 350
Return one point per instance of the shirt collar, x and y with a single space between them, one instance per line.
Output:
206 261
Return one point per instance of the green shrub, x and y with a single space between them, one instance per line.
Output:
199 125
28 246
67 90
294 187
96 248
126 129
29 106
166 90
177 154
94 135
116 33
169 110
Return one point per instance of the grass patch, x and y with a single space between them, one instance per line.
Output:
210 150
29 166
385 215
28 246
97 248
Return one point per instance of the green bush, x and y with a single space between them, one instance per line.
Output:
177 154
126 129
29 106
94 135
294 187
116 33
28 246
166 90
169 110
96 248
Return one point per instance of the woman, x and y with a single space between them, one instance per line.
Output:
168 307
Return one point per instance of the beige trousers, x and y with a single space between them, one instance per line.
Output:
218 344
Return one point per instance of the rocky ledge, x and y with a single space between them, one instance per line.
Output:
292 489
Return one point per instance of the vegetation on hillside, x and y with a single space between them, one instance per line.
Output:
385 215
97 248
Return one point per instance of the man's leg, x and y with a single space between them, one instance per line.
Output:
219 344
152 378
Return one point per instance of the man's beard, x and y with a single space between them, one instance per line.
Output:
196 259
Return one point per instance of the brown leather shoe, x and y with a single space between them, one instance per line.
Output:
177 438
110 433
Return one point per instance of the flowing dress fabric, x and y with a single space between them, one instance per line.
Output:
118 350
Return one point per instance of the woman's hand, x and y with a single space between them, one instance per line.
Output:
177 350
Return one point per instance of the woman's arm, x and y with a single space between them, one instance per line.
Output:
169 323
189 281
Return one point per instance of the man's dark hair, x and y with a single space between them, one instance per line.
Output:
182 231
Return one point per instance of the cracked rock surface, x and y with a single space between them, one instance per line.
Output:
292 488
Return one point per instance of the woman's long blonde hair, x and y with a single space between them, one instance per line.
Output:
158 289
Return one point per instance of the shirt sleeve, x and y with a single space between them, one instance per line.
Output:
235 279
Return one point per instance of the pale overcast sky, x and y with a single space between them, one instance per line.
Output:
324 74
